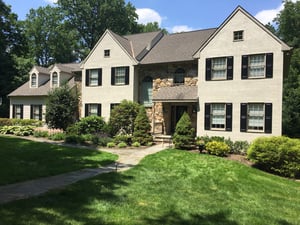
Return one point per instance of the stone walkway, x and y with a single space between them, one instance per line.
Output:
127 159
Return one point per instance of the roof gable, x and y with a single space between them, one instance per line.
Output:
239 9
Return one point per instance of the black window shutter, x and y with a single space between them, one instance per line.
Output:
207 117
99 77
269 65
127 75
244 67
40 112
113 76
208 69
268 118
86 109
243 120
228 116
87 78
21 111
99 110
14 111
230 68
31 111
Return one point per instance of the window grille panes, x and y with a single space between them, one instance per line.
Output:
36 112
106 53
218 116
54 80
93 109
256 117
256 65
120 75
238 35
33 80
94 77
18 111
219 68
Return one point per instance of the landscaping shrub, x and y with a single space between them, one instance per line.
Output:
123 138
40 133
122 145
103 141
142 128
17 130
111 144
74 139
217 148
20 122
136 144
279 155
57 136
184 133
240 147
91 125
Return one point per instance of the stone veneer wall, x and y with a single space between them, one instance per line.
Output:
163 77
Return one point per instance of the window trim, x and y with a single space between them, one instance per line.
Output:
238 35
40 109
21 111
208 117
87 109
34 85
268 71
126 76
229 68
88 77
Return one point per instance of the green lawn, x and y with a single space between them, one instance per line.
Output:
21 159
169 188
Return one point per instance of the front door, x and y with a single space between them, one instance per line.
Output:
177 112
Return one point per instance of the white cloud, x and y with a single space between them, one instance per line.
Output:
51 1
181 28
266 16
147 15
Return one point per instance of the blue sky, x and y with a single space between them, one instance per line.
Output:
179 15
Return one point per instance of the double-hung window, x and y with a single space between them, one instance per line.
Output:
18 111
93 77
219 68
257 66
120 75
92 109
218 116
256 117
36 112
34 80
179 76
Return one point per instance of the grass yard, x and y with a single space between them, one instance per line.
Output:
22 159
169 188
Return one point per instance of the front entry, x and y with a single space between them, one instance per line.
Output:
177 111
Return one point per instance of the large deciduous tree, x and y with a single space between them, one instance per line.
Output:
50 36
92 17
288 22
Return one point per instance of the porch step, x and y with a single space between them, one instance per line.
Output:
164 139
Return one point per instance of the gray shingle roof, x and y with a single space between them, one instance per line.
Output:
177 47
176 94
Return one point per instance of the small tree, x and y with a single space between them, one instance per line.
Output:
142 128
61 107
184 135
122 117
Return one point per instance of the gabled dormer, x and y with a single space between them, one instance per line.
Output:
38 76
61 73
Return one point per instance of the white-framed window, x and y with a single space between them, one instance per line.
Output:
256 118
93 77
120 75
18 111
93 109
257 66
34 80
238 35
218 116
36 112
219 68
54 79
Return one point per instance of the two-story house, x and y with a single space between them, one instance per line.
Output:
229 79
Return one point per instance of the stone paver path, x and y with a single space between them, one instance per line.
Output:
127 159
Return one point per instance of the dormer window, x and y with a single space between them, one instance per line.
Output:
33 80
54 79
238 35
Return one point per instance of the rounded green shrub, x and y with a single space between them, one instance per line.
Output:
111 145
278 155
217 148
122 145
136 144
57 136
184 136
